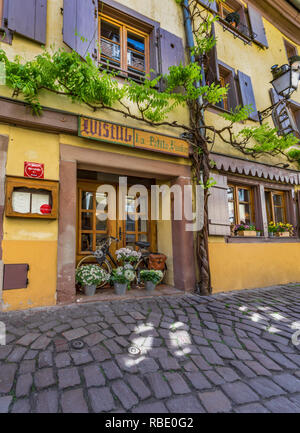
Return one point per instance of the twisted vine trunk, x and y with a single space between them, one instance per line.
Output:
202 171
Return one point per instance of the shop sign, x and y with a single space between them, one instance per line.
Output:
34 170
119 134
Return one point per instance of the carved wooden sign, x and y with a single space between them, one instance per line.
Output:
119 134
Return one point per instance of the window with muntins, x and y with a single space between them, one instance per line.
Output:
240 204
275 206
290 49
123 48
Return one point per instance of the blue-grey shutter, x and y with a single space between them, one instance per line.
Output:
80 27
28 19
171 51
213 74
282 118
153 42
21 18
40 21
257 26
247 94
211 5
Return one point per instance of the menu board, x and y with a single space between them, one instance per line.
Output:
37 201
21 202
29 202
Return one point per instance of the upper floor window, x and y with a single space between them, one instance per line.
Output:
123 48
290 49
240 204
275 206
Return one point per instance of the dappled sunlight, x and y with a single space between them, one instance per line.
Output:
278 316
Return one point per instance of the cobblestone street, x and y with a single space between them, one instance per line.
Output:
225 353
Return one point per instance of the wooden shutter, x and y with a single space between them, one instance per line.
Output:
247 94
213 74
80 27
211 5
218 213
257 26
153 40
171 51
282 118
29 20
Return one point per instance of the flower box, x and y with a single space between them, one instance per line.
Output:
246 233
283 234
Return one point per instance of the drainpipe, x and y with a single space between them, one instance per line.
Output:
190 44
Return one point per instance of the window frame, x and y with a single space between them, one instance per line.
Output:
284 206
124 28
233 97
237 202
288 45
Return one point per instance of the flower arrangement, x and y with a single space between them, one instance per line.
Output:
90 275
126 255
123 275
151 275
279 228
244 230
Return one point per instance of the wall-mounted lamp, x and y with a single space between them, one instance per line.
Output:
285 82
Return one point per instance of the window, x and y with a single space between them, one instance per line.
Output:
276 206
240 204
225 9
123 48
239 18
226 79
290 49
294 110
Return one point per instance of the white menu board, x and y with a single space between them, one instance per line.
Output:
21 202
37 201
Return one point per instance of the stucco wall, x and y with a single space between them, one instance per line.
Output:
248 266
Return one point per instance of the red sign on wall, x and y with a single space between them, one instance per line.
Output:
34 170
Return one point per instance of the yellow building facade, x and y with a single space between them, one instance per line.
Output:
45 251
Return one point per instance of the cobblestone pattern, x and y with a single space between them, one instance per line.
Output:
230 352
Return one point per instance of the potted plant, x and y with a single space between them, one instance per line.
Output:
89 277
151 278
122 277
272 228
244 230
280 229
284 230
126 255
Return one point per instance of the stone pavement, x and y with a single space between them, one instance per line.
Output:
229 352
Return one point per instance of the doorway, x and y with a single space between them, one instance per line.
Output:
92 229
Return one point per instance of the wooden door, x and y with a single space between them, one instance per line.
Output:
91 230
